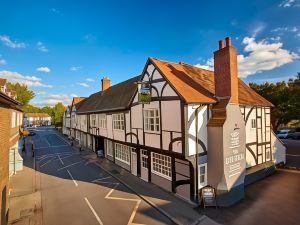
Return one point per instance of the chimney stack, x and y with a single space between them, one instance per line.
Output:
105 81
225 71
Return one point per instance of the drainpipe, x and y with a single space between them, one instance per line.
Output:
197 151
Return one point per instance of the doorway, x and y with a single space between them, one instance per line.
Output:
3 207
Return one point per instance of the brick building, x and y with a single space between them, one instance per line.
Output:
10 121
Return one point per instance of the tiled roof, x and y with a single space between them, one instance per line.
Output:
76 100
37 115
2 81
116 97
195 84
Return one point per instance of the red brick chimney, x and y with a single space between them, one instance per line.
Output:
105 81
225 71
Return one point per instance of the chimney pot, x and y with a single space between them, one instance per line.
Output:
228 41
221 44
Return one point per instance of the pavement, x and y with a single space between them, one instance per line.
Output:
79 188
25 195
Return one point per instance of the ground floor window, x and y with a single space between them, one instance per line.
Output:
161 165
77 135
122 153
109 148
202 175
144 158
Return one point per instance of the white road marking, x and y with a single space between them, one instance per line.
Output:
101 179
46 162
47 142
93 211
138 201
61 139
293 155
72 178
69 165
60 160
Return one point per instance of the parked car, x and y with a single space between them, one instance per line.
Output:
31 133
284 134
296 135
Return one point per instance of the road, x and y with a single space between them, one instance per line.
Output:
76 191
292 152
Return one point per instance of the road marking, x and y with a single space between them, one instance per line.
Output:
97 180
60 160
108 196
293 155
93 211
69 165
55 154
61 139
47 142
72 178
46 162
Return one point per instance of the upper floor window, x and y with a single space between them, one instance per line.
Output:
93 120
118 121
13 120
102 120
151 120
253 123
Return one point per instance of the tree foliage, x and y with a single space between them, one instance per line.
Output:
58 111
24 95
285 97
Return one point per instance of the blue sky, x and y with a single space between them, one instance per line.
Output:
62 48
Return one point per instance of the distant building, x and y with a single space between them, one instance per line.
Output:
37 119
10 160
67 121
3 88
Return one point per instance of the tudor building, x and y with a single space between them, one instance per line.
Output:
200 127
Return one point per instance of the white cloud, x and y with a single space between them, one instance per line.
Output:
12 44
258 28
90 80
30 81
83 84
75 68
43 69
74 95
262 56
285 29
41 47
2 61
53 99
289 3
209 65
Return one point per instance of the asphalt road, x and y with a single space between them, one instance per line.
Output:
76 191
292 152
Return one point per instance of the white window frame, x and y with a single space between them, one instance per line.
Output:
253 124
93 120
122 153
109 148
161 165
144 158
13 119
118 121
102 121
151 120
202 175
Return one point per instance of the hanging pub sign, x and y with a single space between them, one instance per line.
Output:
144 92
208 196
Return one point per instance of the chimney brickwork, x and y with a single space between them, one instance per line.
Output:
225 71
105 83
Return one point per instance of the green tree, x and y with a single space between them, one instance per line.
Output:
31 109
284 96
58 111
24 95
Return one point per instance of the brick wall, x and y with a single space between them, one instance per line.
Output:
5 124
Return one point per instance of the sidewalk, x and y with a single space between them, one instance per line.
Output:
178 211
25 196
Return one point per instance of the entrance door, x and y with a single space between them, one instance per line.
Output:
100 144
144 165
3 207
133 163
